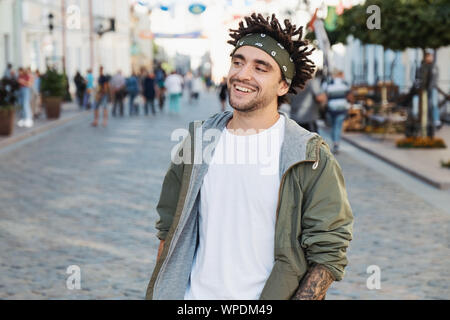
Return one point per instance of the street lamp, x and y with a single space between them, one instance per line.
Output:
50 22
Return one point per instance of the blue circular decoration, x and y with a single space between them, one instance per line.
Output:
164 8
197 8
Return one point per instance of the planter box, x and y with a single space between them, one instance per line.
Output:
52 107
7 121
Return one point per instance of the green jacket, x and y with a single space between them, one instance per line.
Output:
313 224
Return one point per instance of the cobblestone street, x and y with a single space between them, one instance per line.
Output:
87 196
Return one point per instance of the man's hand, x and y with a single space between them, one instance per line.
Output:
160 249
314 284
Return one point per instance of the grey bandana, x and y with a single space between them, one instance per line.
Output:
272 48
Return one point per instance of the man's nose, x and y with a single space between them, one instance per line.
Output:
245 73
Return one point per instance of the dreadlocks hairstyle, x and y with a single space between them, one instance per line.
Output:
298 49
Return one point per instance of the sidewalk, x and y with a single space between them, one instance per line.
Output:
424 164
69 111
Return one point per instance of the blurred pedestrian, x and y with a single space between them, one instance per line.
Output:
197 87
223 89
80 85
160 77
25 82
89 90
101 99
8 71
36 104
188 84
132 85
208 82
174 87
306 103
429 75
149 92
338 92
118 92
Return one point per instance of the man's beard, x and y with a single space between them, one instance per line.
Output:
252 105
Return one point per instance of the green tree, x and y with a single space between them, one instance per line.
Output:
404 24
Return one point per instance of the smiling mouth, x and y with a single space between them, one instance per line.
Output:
243 89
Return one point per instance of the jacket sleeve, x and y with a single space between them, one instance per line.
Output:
168 199
327 218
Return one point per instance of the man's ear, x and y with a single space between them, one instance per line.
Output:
283 88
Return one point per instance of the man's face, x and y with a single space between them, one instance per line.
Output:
254 80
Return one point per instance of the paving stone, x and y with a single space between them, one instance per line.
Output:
87 196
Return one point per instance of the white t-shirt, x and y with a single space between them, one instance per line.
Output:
238 200
174 84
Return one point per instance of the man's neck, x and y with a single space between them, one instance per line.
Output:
258 120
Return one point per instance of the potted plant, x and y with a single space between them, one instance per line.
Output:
8 97
53 86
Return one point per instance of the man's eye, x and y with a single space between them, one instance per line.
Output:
237 63
260 69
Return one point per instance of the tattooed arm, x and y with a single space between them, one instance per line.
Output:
314 284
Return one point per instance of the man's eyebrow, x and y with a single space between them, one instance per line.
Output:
264 63
238 56
257 61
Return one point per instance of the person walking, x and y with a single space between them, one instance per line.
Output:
101 99
80 85
235 227
188 85
118 92
223 93
197 87
36 104
338 93
25 82
174 87
8 71
149 92
89 90
429 75
305 105
132 86
160 77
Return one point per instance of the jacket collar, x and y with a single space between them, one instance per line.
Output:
298 144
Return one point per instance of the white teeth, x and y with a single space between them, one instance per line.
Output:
243 89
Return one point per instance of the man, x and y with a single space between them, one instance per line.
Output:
149 92
274 228
80 85
8 71
197 87
429 76
118 91
132 85
338 95
26 81
89 89
101 98
160 77
174 87
305 104
188 84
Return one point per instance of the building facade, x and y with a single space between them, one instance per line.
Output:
65 34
